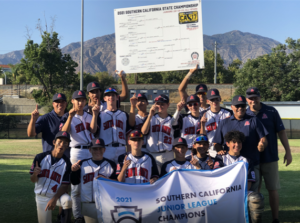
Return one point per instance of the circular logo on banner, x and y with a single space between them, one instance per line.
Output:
125 61
195 56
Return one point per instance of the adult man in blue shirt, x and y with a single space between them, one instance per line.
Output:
254 131
48 124
269 157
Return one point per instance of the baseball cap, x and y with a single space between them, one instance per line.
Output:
201 88
63 134
201 138
78 94
252 92
193 98
213 93
239 100
92 86
97 142
59 96
110 90
162 98
179 141
142 96
136 134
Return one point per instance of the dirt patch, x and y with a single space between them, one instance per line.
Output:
293 149
16 156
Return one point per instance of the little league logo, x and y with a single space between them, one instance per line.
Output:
126 214
195 56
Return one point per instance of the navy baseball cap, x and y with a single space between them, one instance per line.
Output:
201 138
63 134
78 94
59 96
97 142
162 98
193 98
142 96
239 100
201 88
136 134
179 141
92 86
110 90
213 93
252 92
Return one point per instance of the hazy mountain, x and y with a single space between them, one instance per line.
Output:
100 52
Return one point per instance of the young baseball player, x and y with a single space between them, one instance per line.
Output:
137 167
180 147
159 131
84 172
210 118
200 157
114 124
187 124
81 127
50 171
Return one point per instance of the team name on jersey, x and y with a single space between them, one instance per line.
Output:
80 127
134 172
54 176
190 131
164 129
211 127
88 178
110 124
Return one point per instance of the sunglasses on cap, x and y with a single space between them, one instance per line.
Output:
240 106
203 93
192 104
110 90
201 139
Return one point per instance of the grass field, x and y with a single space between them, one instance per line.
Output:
17 197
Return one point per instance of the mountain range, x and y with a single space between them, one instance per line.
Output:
100 52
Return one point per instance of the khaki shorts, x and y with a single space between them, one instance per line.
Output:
269 171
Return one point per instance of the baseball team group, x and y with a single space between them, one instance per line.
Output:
97 139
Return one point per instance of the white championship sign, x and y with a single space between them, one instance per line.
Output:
181 196
159 37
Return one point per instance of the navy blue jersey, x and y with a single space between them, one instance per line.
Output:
253 130
271 120
48 125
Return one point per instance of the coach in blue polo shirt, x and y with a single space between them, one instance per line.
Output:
48 124
254 131
269 157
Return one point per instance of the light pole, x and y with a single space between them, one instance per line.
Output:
5 77
81 57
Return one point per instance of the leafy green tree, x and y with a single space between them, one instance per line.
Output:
227 75
276 75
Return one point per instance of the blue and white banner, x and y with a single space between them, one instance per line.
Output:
180 196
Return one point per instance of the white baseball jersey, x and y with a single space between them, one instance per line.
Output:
160 135
139 122
200 109
113 126
170 165
54 172
140 170
80 129
187 125
213 121
90 169
203 162
227 160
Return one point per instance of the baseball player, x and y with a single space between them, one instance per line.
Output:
159 130
234 140
84 172
94 93
140 102
200 157
201 90
81 127
137 167
180 147
48 124
210 118
50 171
114 124
187 124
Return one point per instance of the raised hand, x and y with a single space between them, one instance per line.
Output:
75 166
126 163
152 180
153 109
133 100
195 162
121 74
180 104
204 119
37 169
35 114
194 69
73 111
96 108
261 146
210 162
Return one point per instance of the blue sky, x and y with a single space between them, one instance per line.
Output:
270 18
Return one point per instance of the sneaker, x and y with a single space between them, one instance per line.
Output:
275 221
79 220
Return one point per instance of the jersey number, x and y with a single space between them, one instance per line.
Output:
168 140
54 188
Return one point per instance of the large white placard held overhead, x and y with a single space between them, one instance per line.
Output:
159 37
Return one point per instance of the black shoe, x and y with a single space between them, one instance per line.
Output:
79 220
275 221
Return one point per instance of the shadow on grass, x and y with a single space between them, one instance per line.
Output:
291 216
16 156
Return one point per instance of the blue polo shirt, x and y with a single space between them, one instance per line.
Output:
270 118
48 125
253 130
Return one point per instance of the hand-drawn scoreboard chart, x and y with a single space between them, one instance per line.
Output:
159 37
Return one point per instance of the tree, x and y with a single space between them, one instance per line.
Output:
276 75
227 76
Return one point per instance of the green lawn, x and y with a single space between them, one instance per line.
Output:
17 196
292 142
